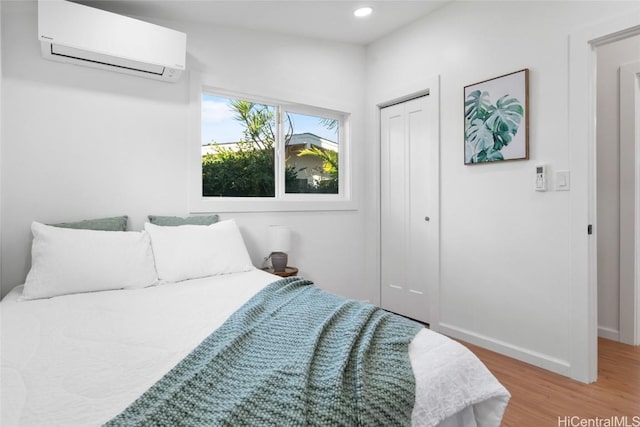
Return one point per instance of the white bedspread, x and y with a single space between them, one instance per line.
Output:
79 360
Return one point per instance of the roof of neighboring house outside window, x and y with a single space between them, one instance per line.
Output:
297 140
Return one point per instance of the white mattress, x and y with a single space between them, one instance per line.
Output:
79 360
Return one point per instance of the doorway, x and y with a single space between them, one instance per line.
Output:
583 322
630 195
409 206
616 194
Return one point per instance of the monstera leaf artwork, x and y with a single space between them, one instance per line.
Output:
491 127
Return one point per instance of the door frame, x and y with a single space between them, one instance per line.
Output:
431 87
630 199
583 319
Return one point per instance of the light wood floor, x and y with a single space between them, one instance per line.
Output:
539 397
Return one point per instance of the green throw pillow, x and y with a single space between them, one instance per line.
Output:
117 223
172 221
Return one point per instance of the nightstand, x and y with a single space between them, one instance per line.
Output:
288 271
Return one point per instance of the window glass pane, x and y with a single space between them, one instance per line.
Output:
311 152
238 140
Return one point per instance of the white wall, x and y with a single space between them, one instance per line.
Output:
85 143
504 247
609 59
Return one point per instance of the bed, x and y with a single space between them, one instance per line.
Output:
83 358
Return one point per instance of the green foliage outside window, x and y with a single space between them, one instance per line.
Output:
247 169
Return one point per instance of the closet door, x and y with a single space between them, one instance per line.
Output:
409 207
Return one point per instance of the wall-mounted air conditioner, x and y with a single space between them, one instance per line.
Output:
71 32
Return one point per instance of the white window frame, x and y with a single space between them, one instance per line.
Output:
282 201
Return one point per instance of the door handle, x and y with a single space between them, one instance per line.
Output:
426 218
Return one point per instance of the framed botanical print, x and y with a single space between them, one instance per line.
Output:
496 119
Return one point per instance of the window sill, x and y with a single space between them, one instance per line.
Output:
254 204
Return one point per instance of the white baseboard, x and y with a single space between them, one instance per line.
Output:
543 361
608 333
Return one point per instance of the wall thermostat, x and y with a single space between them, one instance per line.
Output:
541 178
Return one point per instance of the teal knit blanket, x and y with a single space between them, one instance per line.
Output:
293 355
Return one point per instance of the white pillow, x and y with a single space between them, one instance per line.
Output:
194 251
67 261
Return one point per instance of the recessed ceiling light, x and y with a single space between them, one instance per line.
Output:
362 12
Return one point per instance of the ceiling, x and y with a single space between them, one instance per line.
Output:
320 19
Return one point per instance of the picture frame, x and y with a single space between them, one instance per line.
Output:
496 119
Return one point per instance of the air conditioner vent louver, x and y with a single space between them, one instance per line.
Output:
81 55
82 35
